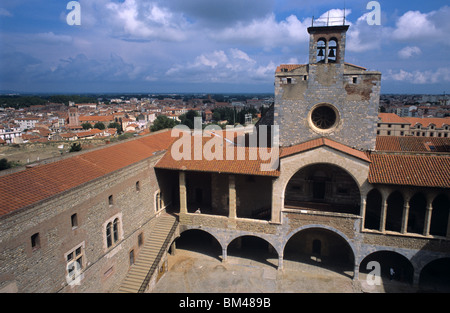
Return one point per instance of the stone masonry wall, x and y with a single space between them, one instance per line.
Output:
357 106
44 269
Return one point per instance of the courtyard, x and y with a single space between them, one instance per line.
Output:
196 272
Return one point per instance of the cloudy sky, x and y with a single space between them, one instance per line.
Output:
211 46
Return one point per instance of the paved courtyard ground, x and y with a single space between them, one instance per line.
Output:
194 272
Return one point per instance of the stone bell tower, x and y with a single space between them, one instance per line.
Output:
327 97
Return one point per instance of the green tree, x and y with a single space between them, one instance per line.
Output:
86 125
75 147
216 116
117 126
99 125
4 164
188 118
162 122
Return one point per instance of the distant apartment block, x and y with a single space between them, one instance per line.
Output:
390 124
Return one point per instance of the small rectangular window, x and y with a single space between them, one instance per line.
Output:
110 200
35 241
138 186
131 257
355 80
140 239
74 220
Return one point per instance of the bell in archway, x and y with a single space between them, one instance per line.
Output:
332 55
320 52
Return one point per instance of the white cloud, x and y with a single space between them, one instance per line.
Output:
333 17
52 38
4 12
266 32
408 52
232 66
211 60
414 25
420 77
138 20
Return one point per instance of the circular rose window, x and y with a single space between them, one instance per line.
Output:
324 117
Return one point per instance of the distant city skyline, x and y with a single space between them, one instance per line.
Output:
208 46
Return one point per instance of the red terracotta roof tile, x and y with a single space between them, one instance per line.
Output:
40 182
412 144
391 118
238 163
315 143
411 170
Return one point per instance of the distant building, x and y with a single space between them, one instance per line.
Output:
390 124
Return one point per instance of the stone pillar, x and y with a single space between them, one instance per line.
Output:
232 196
362 211
173 248
277 202
183 194
356 272
280 261
405 216
383 212
224 254
427 223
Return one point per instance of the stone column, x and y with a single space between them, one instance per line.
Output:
173 248
224 254
280 261
277 201
232 196
383 212
356 272
405 216
362 211
183 194
427 224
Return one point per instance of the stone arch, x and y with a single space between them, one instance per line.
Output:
359 178
417 212
387 259
440 216
435 275
201 241
321 245
321 46
374 202
394 211
323 187
255 248
333 45
357 168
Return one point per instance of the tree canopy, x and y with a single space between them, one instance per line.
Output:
162 122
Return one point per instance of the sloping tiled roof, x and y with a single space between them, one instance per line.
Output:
439 122
315 143
411 170
245 163
412 144
288 67
24 188
391 118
